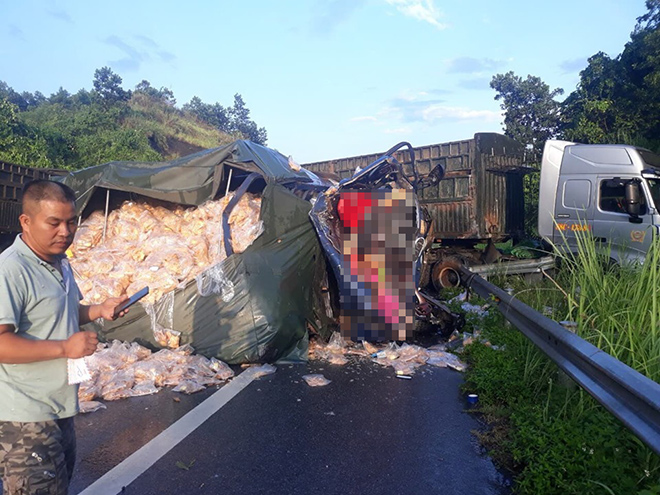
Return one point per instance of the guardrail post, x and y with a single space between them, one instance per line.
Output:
562 378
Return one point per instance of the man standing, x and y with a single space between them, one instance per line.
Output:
40 315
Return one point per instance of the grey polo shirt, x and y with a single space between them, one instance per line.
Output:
42 305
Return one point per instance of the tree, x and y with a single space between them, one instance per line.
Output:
235 120
531 115
240 122
640 61
595 112
146 88
33 100
650 20
63 97
19 143
7 93
24 101
166 95
163 94
8 123
618 100
107 85
82 98
215 115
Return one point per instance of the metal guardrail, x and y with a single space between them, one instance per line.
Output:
630 396
516 267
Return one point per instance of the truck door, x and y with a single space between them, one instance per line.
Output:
612 224
573 210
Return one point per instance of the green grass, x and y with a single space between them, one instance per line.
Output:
525 249
161 121
553 436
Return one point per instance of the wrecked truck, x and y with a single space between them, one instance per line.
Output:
479 200
375 233
265 285
256 304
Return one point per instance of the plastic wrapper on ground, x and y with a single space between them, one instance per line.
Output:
316 380
188 387
404 359
91 406
446 359
263 370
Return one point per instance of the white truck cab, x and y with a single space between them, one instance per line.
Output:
609 190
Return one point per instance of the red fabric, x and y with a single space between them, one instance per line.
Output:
352 208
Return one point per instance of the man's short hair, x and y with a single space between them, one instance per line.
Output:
46 190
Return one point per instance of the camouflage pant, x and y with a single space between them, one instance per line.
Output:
37 458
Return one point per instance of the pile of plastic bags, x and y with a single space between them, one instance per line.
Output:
119 370
162 248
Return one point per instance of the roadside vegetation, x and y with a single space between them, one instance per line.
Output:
548 433
109 123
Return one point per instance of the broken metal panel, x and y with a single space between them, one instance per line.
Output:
453 220
478 198
494 203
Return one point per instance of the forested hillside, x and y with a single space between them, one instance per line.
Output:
109 123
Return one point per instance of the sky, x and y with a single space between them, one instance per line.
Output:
326 78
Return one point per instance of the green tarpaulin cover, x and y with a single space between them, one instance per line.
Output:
252 307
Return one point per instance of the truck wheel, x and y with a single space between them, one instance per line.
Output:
444 275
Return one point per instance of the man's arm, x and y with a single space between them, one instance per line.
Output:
15 349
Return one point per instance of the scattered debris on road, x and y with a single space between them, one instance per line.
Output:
404 359
120 370
265 369
316 380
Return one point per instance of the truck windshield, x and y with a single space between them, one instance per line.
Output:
654 186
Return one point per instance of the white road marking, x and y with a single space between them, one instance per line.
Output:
137 463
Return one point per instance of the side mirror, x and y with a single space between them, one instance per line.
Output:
633 206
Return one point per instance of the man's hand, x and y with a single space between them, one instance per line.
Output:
105 310
15 349
80 344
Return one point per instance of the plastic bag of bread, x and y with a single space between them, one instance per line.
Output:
188 387
156 246
89 234
221 369
145 387
152 370
166 337
119 385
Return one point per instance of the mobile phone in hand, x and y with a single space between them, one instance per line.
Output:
131 300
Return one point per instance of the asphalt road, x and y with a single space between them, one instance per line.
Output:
366 432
